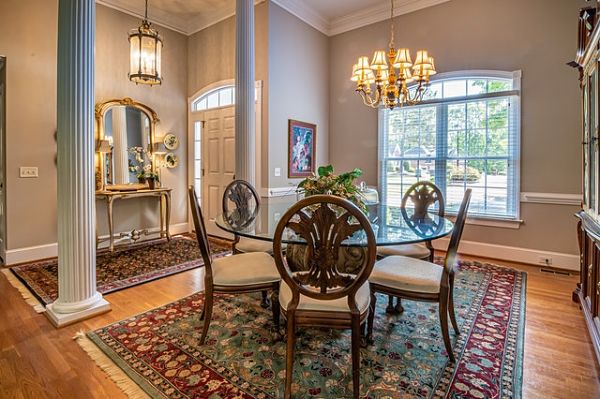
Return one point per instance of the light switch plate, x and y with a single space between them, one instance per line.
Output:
277 171
28 171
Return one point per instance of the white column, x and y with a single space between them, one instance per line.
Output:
77 295
120 154
245 160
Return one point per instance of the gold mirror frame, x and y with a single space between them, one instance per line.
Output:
99 111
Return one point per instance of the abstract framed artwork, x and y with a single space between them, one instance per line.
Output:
302 138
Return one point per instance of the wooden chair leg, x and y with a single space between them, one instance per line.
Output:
276 310
399 308
264 303
371 317
207 313
444 325
289 356
451 306
390 307
355 356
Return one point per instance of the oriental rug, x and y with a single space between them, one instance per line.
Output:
124 267
157 353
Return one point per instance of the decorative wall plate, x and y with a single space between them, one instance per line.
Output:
171 160
171 142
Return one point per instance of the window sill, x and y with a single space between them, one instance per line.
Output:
492 222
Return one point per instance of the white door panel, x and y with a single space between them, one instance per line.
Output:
217 161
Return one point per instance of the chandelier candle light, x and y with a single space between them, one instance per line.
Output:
145 45
392 80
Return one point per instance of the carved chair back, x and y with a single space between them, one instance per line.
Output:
240 203
324 222
424 194
201 234
459 225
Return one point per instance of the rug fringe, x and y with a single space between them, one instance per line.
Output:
29 298
118 376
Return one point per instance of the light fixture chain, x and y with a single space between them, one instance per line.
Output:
146 12
392 25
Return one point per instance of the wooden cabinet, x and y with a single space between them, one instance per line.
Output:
587 292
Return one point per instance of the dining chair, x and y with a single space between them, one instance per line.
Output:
420 280
321 295
422 195
235 274
242 200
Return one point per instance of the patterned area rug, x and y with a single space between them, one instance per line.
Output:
159 351
123 268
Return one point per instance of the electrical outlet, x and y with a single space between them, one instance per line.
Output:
28 171
277 171
545 260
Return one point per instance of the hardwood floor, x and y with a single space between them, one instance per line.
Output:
38 361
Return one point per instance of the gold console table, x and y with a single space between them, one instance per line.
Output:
162 194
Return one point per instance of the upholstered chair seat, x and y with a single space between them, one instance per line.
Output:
363 299
419 251
245 269
407 274
247 245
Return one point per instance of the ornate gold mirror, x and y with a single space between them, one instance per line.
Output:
125 132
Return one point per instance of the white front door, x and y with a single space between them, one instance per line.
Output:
214 160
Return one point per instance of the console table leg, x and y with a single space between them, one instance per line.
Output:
168 214
162 215
111 240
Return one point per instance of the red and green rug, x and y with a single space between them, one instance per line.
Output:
157 353
125 267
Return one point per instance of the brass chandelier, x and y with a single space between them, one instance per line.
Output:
391 82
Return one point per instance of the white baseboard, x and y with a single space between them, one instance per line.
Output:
28 254
514 254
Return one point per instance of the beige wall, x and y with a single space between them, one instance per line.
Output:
168 100
211 59
28 38
535 36
298 81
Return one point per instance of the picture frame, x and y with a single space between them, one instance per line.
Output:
302 148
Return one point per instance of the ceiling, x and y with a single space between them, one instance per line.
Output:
329 16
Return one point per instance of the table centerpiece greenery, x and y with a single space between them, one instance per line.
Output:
326 182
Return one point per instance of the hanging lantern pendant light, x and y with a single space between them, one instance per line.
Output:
145 47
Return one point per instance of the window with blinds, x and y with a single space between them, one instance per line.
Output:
465 134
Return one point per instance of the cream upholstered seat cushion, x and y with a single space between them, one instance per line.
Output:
251 245
363 298
407 274
419 251
245 269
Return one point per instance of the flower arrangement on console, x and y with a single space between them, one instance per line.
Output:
326 182
142 167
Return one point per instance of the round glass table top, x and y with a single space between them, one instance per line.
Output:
392 225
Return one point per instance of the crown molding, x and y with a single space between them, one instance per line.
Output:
330 27
158 18
377 13
187 26
306 14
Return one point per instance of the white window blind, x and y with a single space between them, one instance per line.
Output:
465 134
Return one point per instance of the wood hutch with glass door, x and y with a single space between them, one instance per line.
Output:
587 292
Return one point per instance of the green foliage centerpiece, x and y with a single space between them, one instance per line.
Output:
326 182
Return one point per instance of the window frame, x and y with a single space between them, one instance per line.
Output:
514 159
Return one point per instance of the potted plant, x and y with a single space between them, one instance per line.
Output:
326 182
142 167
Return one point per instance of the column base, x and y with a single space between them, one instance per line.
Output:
63 319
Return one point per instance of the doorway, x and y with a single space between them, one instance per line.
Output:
212 147
2 159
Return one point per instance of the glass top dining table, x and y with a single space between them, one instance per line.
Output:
392 225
